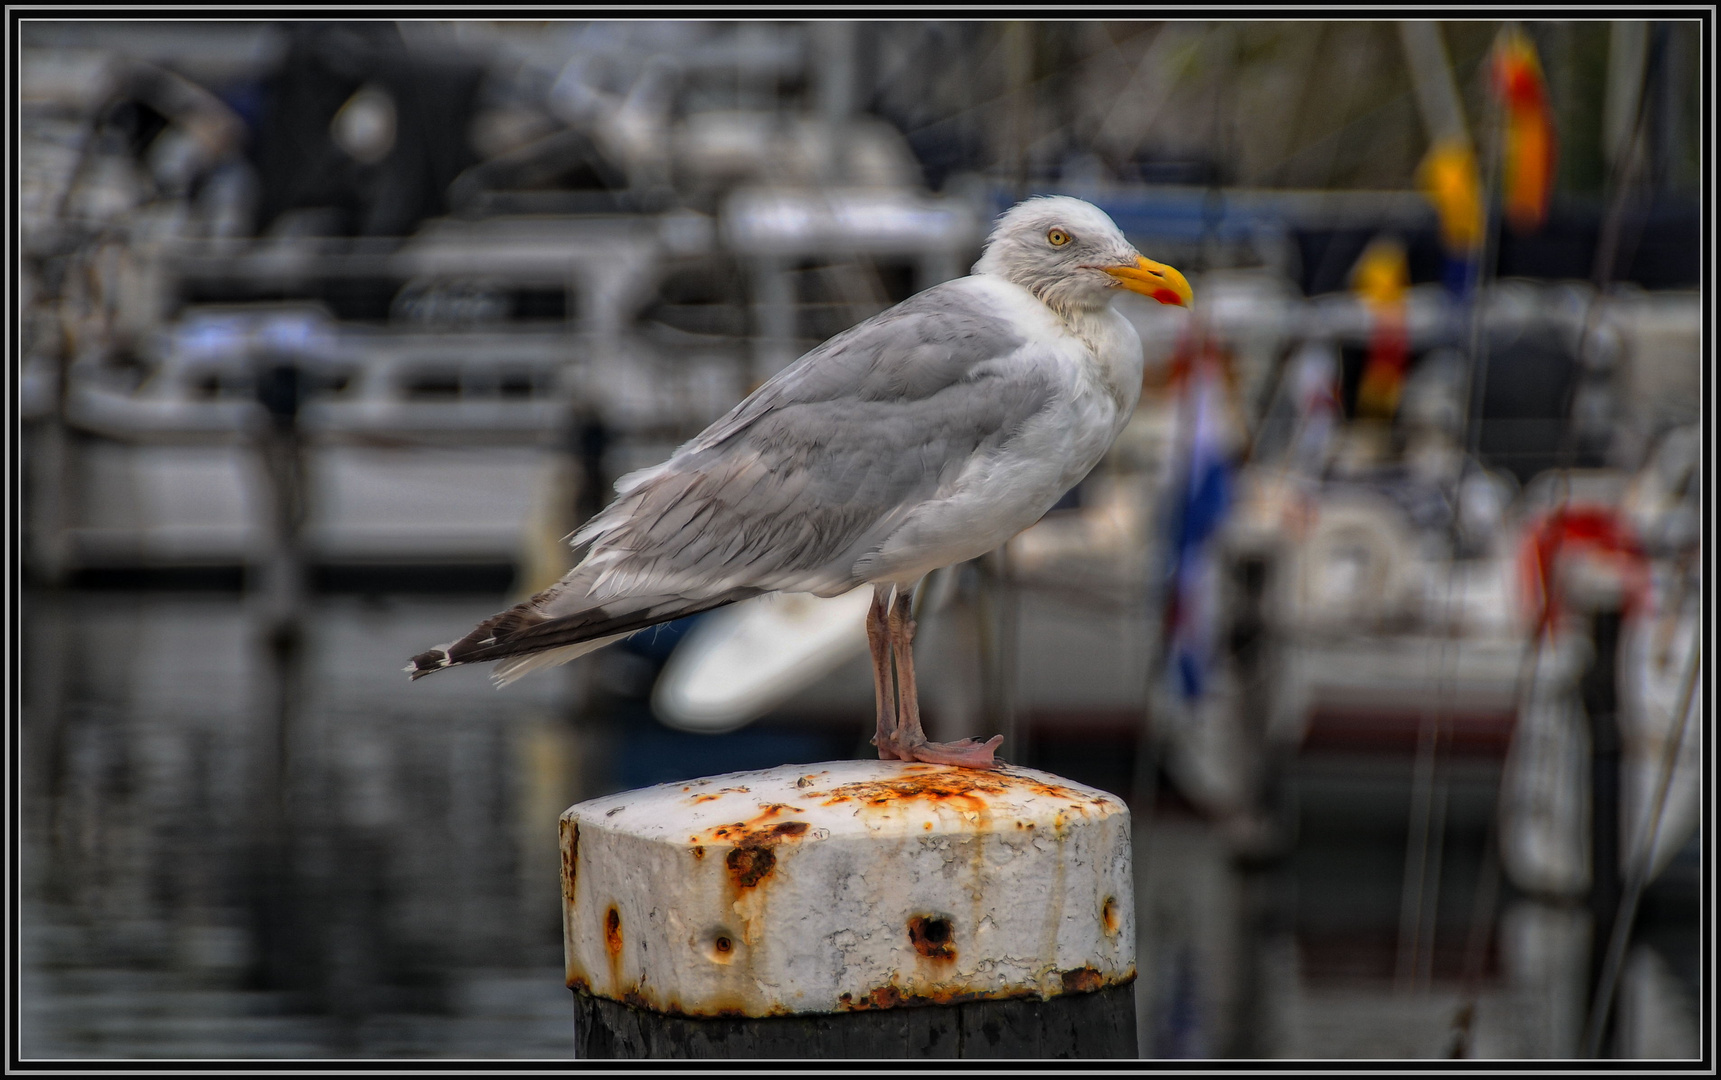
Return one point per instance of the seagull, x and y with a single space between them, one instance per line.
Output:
925 436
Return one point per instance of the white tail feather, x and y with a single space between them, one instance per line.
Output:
515 666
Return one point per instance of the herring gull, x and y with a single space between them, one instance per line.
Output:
927 435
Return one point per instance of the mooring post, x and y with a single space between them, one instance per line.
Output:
852 909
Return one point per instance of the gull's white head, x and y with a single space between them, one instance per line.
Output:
1071 255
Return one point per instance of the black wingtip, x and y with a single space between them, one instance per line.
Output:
426 662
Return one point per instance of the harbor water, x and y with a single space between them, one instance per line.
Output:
224 859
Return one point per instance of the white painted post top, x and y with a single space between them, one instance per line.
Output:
847 885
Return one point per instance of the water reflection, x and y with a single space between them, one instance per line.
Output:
314 869
241 840
370 869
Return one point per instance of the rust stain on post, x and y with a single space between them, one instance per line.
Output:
751 857
879 997
612 951
1083 980
756 829
890 996
570 858
964 789
750 864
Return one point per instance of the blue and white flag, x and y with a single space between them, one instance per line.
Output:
1203 501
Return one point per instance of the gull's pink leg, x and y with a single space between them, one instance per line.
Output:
909 741
878 638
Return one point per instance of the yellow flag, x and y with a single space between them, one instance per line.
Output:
1449 178
1381 278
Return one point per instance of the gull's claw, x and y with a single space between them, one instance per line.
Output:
967 753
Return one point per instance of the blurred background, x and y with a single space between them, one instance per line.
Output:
1382 613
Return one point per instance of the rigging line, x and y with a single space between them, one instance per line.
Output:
1411 890
1428 787
1145 82
1477 938
1488 887
1445 704
1625 171
1425 843
1477 370
1477 374
1339 138
977 109
1606 265
1649 836
1623 185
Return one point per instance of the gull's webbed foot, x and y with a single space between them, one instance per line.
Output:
967 753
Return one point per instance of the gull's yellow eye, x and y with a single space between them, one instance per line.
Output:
1057 238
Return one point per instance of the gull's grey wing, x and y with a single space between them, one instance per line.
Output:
812 471
820 463
910 352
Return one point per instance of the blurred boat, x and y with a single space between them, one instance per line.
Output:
1662 782
1383 634
1545 806
740 662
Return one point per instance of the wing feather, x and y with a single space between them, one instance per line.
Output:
795 485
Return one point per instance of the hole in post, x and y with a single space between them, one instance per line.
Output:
1109 916
722 947
931 936
612 931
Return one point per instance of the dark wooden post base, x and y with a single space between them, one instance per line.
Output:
1100 1024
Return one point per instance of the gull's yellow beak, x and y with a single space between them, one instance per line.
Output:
1153 280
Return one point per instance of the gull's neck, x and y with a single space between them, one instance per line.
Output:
1089 324
1076 309
1078 312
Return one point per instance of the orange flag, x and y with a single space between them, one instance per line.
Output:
1530 144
